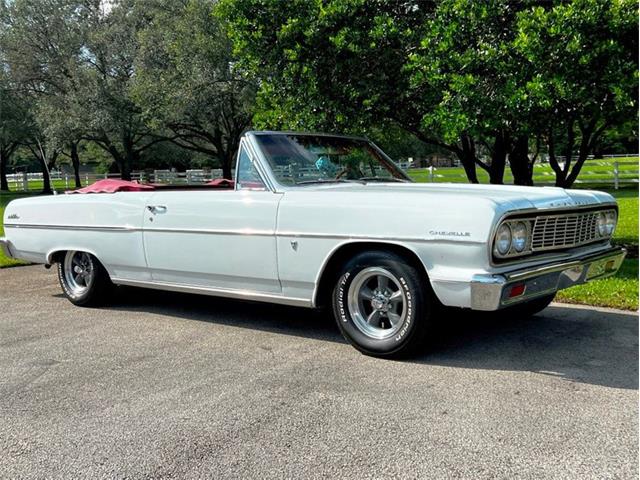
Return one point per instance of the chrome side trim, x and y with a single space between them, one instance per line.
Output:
208 231
99 228
345 236
263 233
217 292
5 247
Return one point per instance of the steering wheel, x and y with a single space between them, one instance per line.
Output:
346 170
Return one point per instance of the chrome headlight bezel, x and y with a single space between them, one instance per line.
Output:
504 238
612 222
519 238
601 224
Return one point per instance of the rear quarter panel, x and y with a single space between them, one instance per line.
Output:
106 225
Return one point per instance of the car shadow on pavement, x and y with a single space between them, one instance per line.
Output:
578 344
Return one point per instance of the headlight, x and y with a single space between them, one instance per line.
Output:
519 234
612 219
503 239
602 224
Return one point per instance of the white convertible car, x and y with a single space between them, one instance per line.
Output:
316 220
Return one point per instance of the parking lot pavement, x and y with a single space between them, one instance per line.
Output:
168 385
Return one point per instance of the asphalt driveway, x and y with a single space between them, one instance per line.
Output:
168 385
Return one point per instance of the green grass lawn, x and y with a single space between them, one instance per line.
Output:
620 291
598 173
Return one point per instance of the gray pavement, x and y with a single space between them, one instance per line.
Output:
164 385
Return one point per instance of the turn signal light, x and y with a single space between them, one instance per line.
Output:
517 290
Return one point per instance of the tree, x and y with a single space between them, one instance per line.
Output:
436 70
78 58
14 125
42 42
188 81
467 76
583 62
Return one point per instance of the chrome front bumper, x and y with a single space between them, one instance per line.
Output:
5 247
496 291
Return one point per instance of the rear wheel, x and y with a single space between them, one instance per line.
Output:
83 279
382 304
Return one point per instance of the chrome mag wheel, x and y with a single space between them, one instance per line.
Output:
79 272
377 303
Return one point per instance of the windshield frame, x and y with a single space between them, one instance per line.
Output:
276 186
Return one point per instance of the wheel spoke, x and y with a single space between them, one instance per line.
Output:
395 296
383 282
366 293
373 317
394 318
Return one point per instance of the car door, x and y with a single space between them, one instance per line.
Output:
215 239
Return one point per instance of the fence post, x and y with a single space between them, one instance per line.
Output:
616 175
25 182
431 169
66 181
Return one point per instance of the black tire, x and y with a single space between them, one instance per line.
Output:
95 291
530 308
413 310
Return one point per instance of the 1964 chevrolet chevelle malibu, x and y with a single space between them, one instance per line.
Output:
317 220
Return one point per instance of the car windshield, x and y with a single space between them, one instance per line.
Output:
297 159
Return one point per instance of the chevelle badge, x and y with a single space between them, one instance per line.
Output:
436 233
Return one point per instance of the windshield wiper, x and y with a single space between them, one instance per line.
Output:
334 180
382 179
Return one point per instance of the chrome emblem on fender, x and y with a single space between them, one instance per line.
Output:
449 234
13 216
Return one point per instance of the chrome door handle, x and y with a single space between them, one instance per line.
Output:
157 209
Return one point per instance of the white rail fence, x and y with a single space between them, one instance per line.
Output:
23 182
594 172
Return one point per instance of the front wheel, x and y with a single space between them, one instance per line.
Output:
83 279
382 304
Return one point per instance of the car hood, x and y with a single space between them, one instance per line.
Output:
505 197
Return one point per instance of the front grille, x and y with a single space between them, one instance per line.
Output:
564 231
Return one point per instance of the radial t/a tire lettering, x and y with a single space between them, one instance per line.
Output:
383 304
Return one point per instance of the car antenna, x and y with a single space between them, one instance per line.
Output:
46 163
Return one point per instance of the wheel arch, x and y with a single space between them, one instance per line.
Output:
341 253
57 255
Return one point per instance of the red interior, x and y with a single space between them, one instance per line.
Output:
112 185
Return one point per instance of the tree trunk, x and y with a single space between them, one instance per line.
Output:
226 169
467 156
585 147
498 158
129 159
46 179
561 174
75 161
519 162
